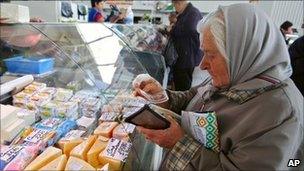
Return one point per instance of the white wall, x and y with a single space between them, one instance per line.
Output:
281 11
209 6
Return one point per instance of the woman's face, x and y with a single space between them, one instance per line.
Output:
213 61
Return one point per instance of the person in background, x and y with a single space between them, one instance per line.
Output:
296 52
255 106
115 15
96 13
286 28
186 42
129 16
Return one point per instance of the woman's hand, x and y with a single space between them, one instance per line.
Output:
150 89
166 138
146 83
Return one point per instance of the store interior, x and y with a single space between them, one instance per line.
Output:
68 85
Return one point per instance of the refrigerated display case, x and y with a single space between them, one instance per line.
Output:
87 57
148 44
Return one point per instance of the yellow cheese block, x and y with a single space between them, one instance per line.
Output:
105 129
114 164
82 149
57 164
100 144
104 168
48 155
67 145
78 164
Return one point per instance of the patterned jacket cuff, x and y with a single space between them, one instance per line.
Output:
182 153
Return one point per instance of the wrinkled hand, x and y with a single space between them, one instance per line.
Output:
147 84
166 138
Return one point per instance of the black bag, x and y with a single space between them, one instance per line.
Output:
66 9
82 11
170 53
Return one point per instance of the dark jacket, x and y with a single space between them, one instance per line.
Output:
186 38
296 51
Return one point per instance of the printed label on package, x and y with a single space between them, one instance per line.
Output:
117 149
36 135
74 134
51 122
10 153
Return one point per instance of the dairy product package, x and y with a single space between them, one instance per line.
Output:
63 95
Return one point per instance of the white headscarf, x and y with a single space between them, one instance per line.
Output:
254 47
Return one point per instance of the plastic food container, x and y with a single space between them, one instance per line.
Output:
29 65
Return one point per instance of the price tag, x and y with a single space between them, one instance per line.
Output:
117 149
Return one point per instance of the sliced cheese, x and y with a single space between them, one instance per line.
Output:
82 149
105 129
78 164
99 145
57 164
13 130
67 145
114 164
48 155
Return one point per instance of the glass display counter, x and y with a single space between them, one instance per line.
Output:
86 57
148 44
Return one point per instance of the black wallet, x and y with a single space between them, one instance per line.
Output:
148 118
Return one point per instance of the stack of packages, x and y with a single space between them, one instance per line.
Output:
62 140
13 120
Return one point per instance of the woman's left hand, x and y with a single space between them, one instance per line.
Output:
166 138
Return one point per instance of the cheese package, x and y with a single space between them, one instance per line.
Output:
108 117
23 95
41 97
82 149
85 123
48 155
35 86
8 114
8 153
20 138
9 133
24 157
49 123
105 167
36 136
105 129
28 116
90 107
64 128
49 90
48 109
115 153
63 95
57 164
113 164
99 145
123 130
70 140
67 109
69 145
75 163
20 103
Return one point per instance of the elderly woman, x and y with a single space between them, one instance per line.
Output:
259 110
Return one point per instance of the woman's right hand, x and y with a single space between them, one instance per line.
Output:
144 83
